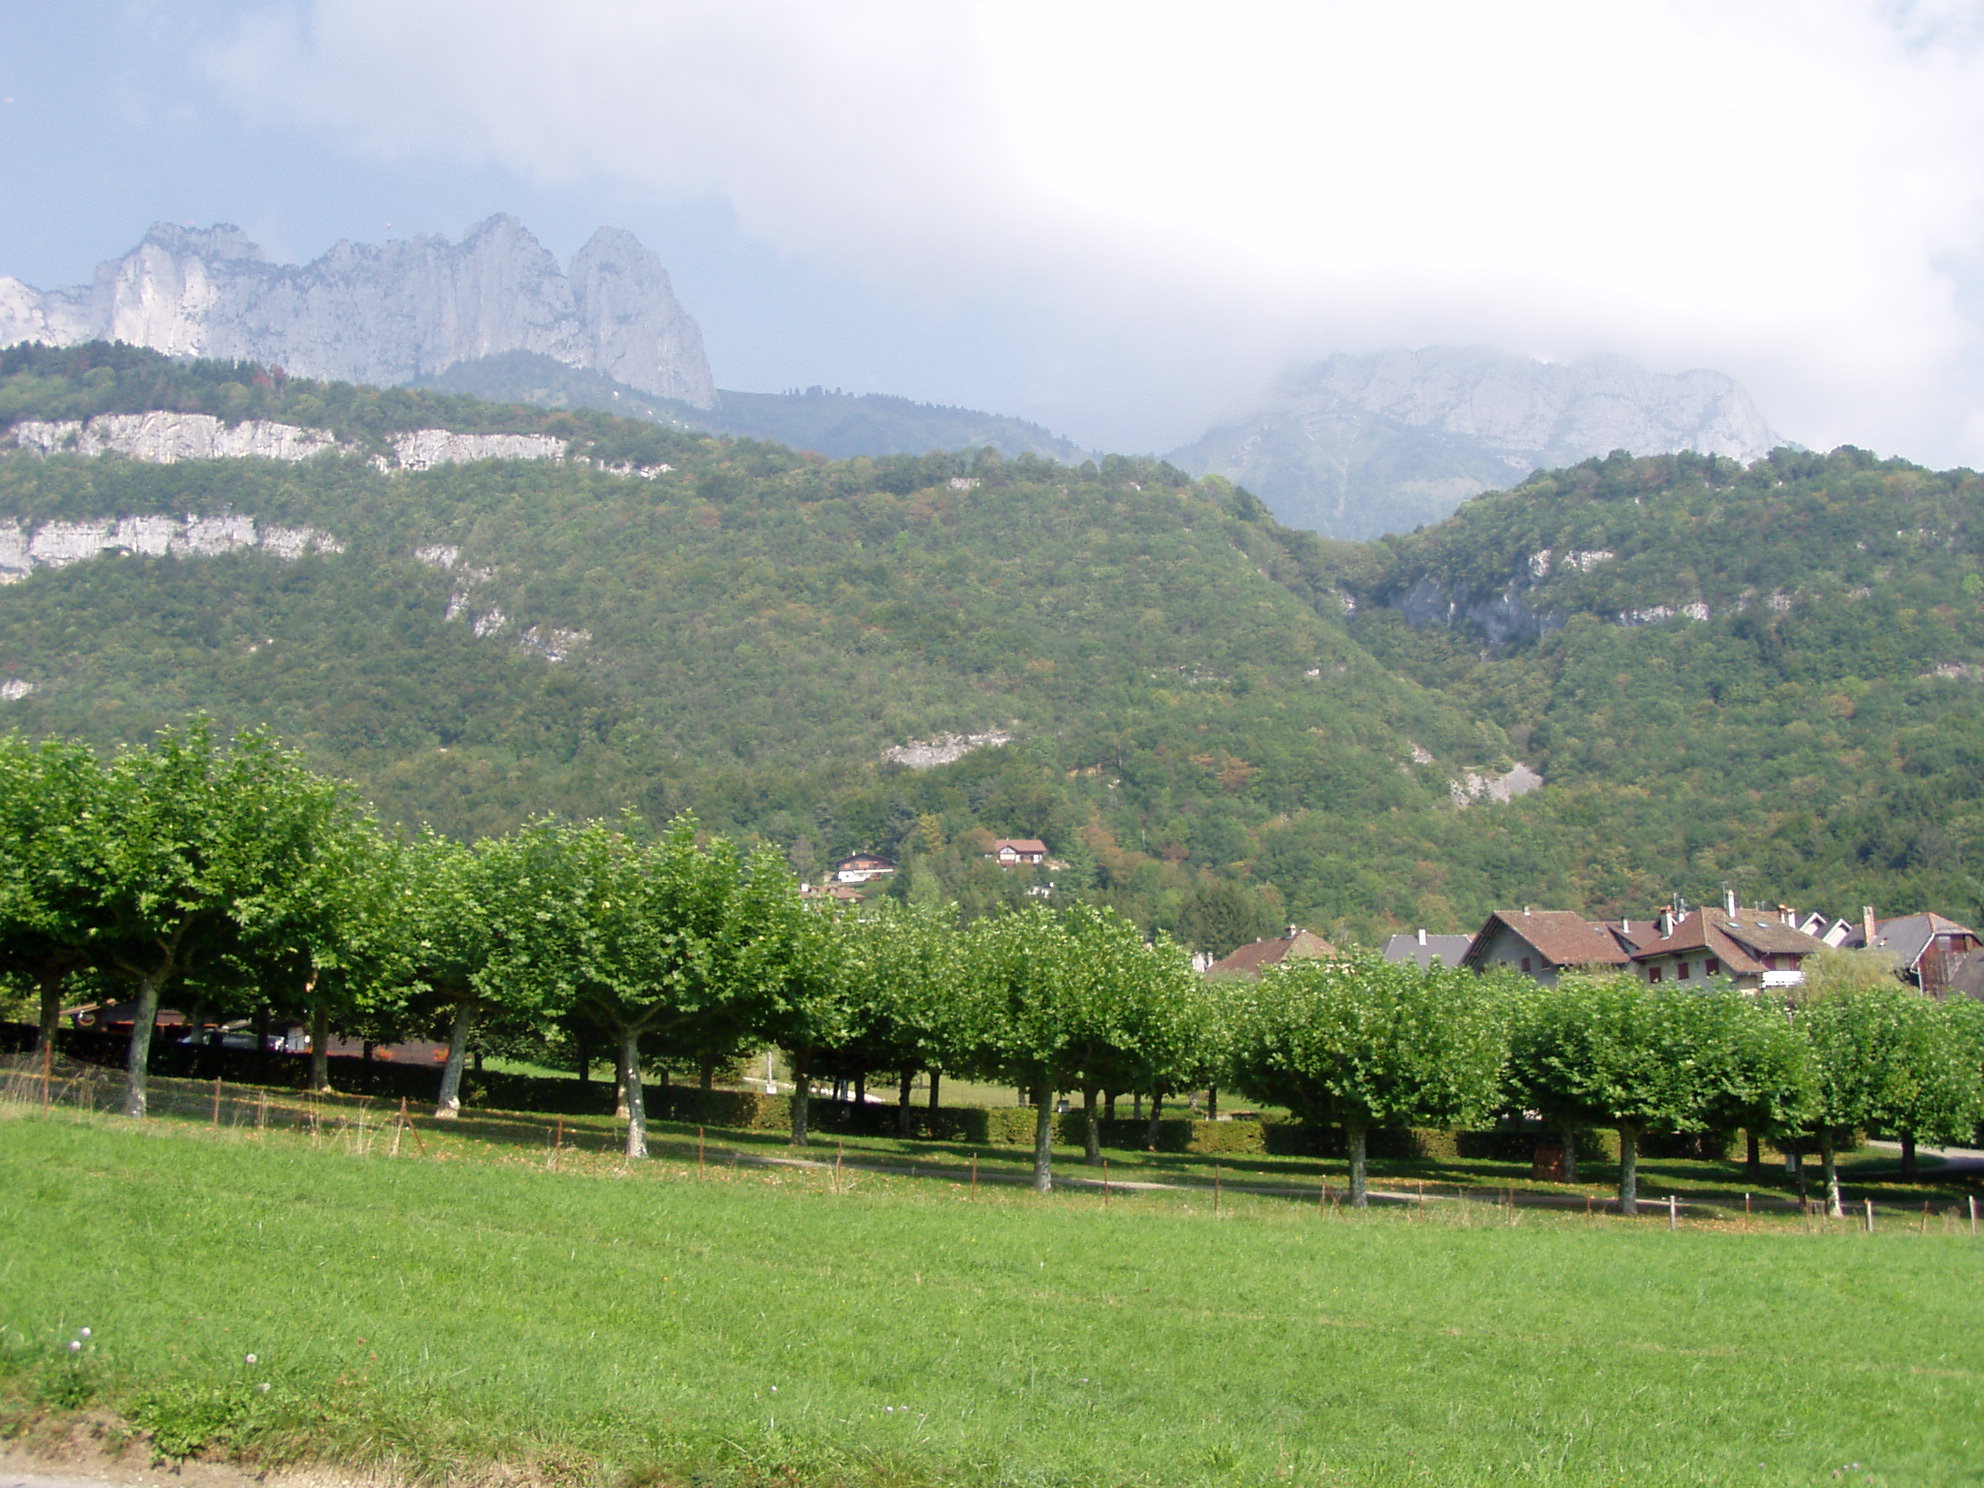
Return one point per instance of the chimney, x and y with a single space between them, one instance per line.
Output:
1422 935
1729 902
1868 923
1525 910
1292 931
1666 923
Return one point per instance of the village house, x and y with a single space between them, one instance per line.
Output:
1544 944
1428 951
863 868
839 892
1928 950
1018 852
1754 948
1293 944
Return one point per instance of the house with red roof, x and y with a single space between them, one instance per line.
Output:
1017 852
1544 944
1293 944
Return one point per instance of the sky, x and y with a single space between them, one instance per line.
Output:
1120 219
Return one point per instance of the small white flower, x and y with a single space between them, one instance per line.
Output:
774 1389
890 1409
252 1359
75 1346
263 1387
84 1332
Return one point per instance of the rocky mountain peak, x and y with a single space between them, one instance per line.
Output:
1362 444
217 244
383 313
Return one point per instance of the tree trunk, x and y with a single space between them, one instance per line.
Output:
637 1105
139 1058
1156 1115
583 1046
1043 1137
51 1011
1353 1140
1753 1162
861 1090
1136 1105
1212 1103
320 1048
1569 1134
449 1105
706 1073
1629 1171
1826 1157
619 1080
800 1095
1091 1119
903 1086
1108 1105
935 1076
1909 1171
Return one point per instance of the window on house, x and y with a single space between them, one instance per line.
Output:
1770 963
1681 972
1525 963
1711 967
1653 973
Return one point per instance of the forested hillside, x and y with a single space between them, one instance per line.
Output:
1198 728
1771 677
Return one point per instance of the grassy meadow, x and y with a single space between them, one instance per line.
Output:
463 1307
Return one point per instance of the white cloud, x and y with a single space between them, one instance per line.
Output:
1787 189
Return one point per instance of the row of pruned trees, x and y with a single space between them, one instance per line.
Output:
1363 1043
240 883
238 879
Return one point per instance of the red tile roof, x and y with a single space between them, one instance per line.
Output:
1250 960
1560 936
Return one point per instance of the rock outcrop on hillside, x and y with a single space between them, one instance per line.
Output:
383 313
1357 446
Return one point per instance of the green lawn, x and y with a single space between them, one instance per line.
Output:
436 1312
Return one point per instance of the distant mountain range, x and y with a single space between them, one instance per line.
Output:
1352 447
1358 446
825 421
1619 681
385 313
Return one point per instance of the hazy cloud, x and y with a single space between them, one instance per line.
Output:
1788 190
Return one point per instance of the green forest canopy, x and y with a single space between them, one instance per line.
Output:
1195 696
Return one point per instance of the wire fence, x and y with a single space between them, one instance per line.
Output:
366 1124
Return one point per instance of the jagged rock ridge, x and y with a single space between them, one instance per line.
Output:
383 313
1357 446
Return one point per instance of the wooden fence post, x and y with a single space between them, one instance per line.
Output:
974 1175
1673 1213
699 1152
1870 1216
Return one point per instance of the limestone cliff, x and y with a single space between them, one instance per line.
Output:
1357 446
383 313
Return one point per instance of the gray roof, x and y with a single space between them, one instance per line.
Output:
1908 936
1438 950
